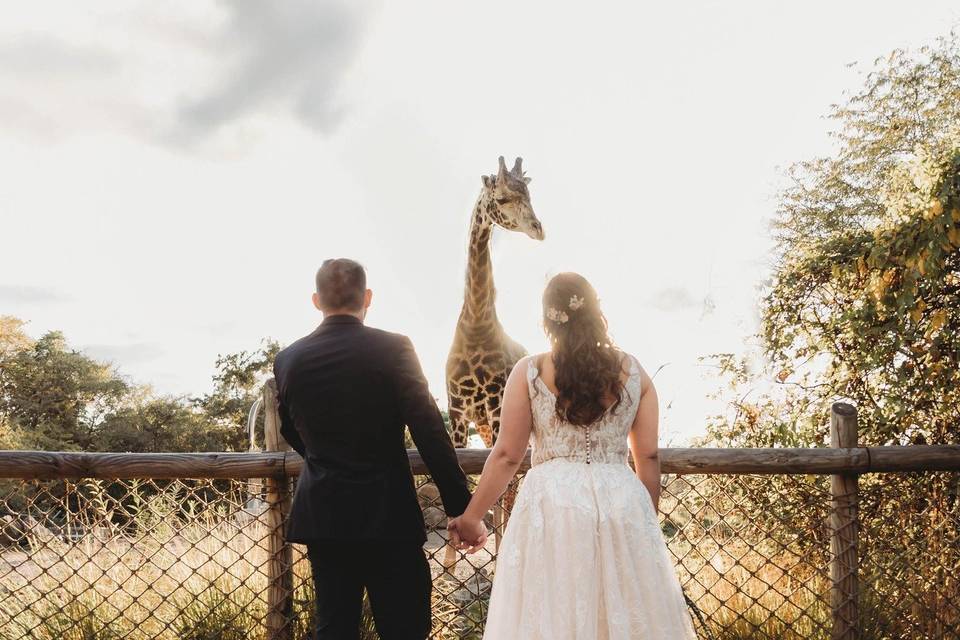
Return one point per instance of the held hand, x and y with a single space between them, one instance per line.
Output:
466 534
453 531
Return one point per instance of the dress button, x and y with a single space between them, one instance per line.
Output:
589 446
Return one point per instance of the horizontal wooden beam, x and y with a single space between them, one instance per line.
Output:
914 458
681 461
762 461
58 464
702 460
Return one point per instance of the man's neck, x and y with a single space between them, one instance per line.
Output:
359 315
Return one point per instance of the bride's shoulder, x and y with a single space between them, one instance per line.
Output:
631 366
531 363
628 361
633 370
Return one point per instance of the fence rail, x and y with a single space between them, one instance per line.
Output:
673 461
776 544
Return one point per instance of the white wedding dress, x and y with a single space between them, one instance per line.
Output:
583 557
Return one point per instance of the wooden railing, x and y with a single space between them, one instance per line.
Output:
673 461
844 461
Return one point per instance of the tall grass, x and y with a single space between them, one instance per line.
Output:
213 615
178 567
84 618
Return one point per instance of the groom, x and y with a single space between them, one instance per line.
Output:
345 393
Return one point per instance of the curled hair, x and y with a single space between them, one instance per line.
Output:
587 363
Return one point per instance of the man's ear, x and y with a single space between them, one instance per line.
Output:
367 298
316 301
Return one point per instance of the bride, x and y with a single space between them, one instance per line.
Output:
583 557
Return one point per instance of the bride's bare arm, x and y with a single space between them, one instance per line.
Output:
644 436
510 448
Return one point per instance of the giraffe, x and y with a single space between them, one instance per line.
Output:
482 354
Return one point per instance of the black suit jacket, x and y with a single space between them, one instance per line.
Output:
346 392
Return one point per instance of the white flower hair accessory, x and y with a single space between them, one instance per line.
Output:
576 302
557 316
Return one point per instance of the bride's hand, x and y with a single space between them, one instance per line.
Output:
466 534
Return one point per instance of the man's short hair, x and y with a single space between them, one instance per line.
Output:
341 284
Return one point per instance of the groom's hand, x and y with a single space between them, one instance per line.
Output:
453 532
467 535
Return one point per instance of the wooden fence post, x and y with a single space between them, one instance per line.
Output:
280 561
844 530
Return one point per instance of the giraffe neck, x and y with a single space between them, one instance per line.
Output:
479 311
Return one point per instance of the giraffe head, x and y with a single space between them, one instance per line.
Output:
510 200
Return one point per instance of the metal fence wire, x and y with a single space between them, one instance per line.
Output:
189 559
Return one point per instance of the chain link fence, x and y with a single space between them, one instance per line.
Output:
190 559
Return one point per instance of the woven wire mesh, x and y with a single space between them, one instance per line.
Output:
133 559
751 553
462 583
910 555
192 559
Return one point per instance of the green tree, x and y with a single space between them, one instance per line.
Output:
12 337
864 305
237 384
12 340
146 423
55 397
864 302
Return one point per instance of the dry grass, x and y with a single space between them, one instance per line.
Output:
142 585
191 581
188 561
207 580
189 587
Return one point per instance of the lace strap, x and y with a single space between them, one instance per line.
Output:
532 374
635 371
635 364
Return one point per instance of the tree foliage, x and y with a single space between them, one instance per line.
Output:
864 302
236 385
864 305
54 397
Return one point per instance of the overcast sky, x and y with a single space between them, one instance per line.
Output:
173 173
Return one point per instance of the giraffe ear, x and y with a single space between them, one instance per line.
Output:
487 181
526 180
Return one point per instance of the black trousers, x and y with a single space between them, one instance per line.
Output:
396 577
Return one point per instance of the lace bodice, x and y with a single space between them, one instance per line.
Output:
583 557
605 441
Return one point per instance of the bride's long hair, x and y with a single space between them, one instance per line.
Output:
586 361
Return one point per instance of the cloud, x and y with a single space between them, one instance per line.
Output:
289 55
177 77
50 85
673 299
42 54
125 354
16 294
